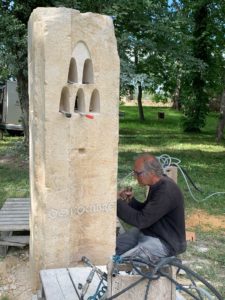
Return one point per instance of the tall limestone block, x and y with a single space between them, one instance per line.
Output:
73 89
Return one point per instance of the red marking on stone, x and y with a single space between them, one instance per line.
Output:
89 116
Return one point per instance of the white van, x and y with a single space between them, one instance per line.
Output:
10 111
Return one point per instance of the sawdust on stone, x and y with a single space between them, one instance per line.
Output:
204 220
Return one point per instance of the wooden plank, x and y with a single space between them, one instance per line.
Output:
13 210
20 218
14 221
3 243
18 199
19 239
57 285
17 204
4 249
13 213
19 208
14 227
11 201
14 217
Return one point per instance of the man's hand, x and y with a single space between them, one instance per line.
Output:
126 194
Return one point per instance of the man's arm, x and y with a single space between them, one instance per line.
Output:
134 203
160 205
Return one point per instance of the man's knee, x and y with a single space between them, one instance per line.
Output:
127 241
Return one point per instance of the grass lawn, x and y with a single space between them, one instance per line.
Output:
14 172
200 156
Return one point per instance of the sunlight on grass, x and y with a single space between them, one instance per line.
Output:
203 147
14 172
202 158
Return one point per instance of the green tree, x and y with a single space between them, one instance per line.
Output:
196 107
13 48
144 37
174 50
204 78
14 16
221 121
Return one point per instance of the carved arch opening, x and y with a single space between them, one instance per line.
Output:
95 102
72 75
88 76
79 106
64 104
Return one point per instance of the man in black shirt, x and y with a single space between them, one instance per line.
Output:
159 222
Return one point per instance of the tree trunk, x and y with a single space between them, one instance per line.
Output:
221 122
130 93
22 84
140 107
176 97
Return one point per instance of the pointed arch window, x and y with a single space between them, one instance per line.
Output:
88 76
95 102
64 104
79 105
72 75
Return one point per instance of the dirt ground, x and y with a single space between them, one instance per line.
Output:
146 103
207 222
15 273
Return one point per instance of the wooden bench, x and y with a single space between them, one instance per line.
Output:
14 218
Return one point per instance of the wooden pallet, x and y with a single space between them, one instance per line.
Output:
14 217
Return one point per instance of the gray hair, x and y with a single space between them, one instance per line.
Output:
152 165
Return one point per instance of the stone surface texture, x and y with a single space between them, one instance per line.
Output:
73 160
171 171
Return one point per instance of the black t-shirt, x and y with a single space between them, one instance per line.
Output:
161 215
